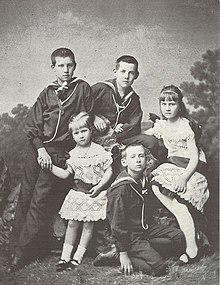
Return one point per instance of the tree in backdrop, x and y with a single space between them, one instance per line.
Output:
204 96
13 140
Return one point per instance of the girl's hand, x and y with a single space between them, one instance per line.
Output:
94 191
126 265
180 186
119 128
44 159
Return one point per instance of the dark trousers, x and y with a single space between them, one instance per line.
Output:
41 195
148 249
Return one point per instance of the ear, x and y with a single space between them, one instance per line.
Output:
52 66
124 162
137 74
114 71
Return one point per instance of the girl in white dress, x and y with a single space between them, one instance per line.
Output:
180 183
86 201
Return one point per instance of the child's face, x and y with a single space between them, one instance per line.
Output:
64 69
169 109
125 74
82 136
135 159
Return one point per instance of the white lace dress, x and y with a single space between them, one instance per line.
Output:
166 175
90 169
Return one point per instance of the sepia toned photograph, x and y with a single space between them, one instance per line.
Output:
109 142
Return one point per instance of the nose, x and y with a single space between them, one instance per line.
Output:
81 135
167 107
138 159
126 75
66 68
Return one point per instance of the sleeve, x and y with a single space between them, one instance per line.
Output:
116 214
190 136
107 160
70 162
133 124
88 99
34 125
98 91
156 130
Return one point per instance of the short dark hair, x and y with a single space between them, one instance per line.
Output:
123 152
128 59
62 52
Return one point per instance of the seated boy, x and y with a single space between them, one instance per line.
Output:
116 101
139 241
48 142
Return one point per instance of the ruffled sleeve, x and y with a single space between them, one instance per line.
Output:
156 130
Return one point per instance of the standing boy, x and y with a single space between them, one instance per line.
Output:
48 142
120 105
138 240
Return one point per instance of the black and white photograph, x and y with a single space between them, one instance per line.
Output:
109 142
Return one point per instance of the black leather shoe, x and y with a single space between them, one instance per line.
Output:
63 265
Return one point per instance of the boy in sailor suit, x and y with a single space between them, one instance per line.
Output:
48 142
116 101
140 242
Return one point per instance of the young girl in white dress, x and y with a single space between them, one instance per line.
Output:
179 184
86 201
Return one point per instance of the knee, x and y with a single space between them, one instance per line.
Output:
73 224
178 208
88 226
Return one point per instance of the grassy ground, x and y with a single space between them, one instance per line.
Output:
43 272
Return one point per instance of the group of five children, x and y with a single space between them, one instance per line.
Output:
62 155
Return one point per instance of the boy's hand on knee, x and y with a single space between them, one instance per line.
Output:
126 265
119 128
100 124
44 159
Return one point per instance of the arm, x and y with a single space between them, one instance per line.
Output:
98 91
88 98
134 116
116 214
34 125
191 167
60 172
94 192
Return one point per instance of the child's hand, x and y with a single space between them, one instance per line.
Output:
180 186
44 159
94 192
126 265
100 124
119 128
